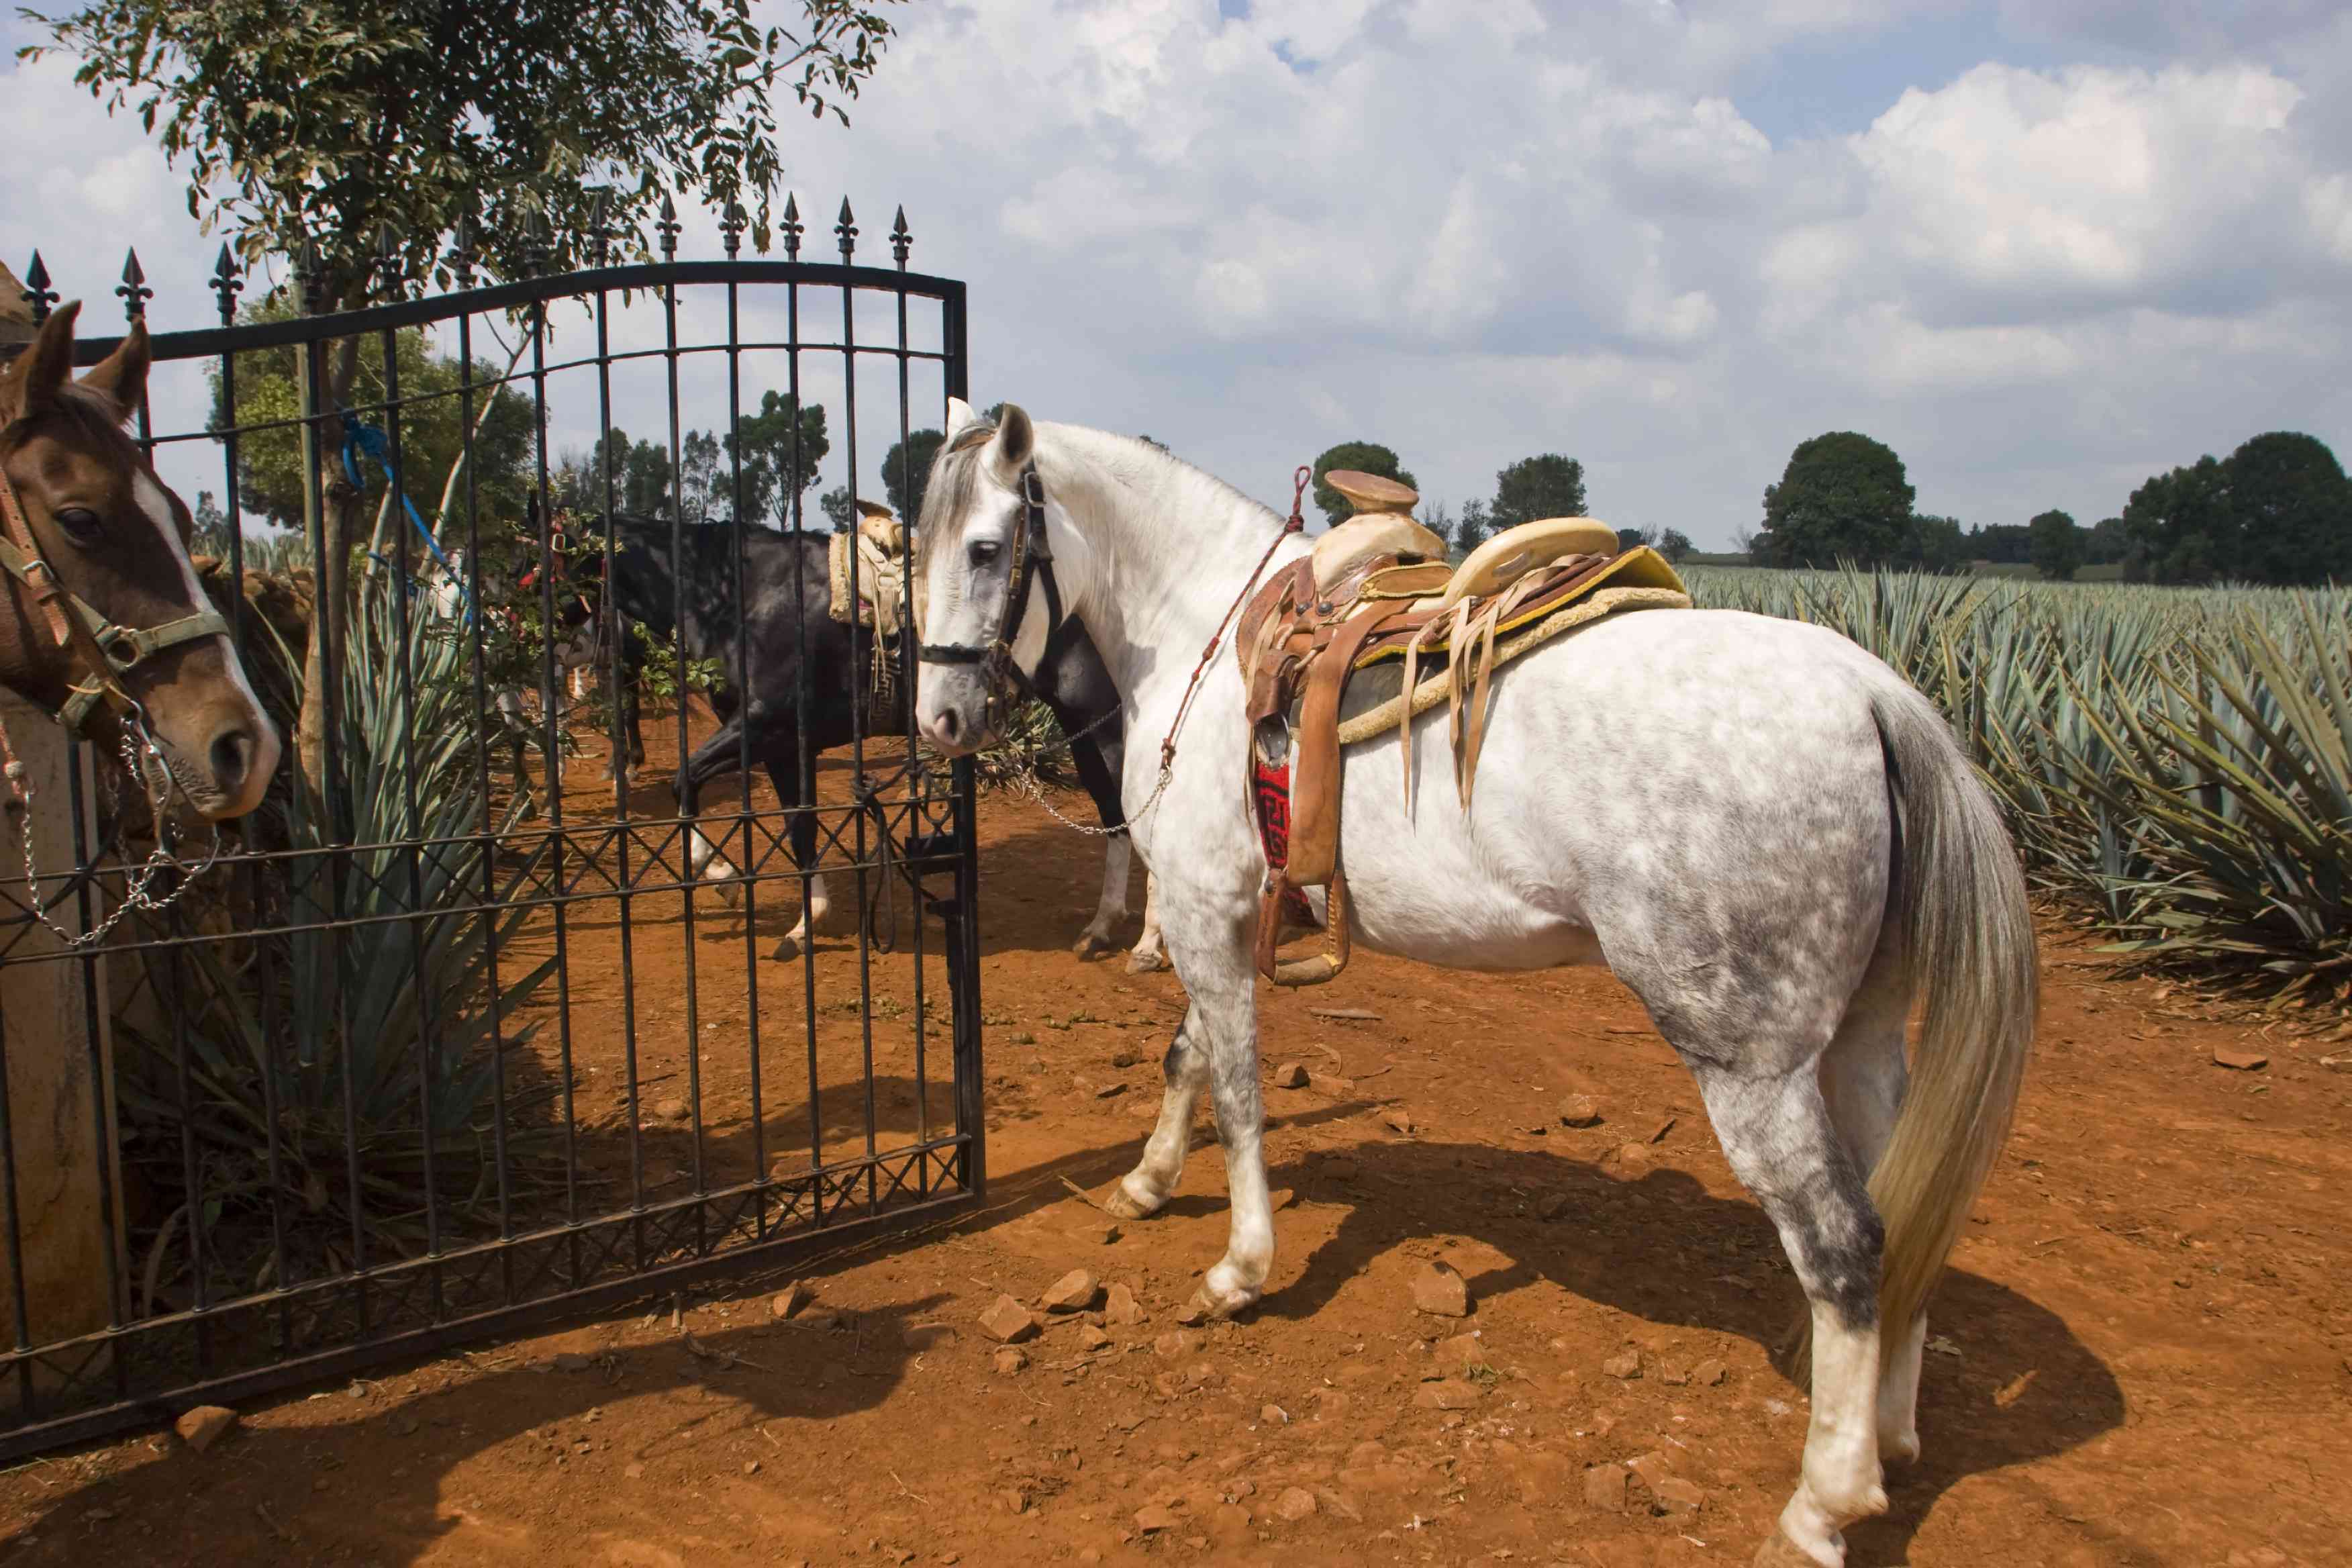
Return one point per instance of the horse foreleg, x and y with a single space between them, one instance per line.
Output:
1217 1048
785 772
714 758
1111 907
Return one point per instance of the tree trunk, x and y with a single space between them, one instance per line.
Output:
333 504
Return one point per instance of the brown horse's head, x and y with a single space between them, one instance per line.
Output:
115 540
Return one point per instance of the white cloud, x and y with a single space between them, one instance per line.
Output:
1476 232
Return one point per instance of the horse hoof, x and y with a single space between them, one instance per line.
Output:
1120 1205
1779 1552
788 948
1142 962
1206 1307
1090 945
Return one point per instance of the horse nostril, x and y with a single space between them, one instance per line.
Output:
232 759
948 725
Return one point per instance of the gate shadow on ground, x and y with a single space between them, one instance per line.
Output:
1664 1249
386 1482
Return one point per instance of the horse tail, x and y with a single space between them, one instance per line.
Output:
1968 939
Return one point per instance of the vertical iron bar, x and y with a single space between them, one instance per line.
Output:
489 840
338 848
415 922
101 1124
736 527
860 683
610 609
682 651
803 809
904 654
964 923
20 1304
552 759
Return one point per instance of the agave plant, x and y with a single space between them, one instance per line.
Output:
363 1020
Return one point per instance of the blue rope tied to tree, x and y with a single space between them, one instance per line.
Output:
362 438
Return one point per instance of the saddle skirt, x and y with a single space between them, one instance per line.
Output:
1306 633
880 541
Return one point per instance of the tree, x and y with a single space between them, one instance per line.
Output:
2180 526
2000 544
1438 518
1936 545
781 446
2106 544
1364 457
706 485
906 471
1843 497
1548 485
1472 529
2057 546
211 533
836 505
432 427
1627 538
334 133
2292 508
1674 545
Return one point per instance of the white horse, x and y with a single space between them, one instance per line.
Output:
1762 831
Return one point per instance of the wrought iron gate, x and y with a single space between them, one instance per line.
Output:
455 1035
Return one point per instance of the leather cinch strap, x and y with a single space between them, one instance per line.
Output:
105 649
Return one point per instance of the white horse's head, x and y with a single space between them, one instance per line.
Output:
984 595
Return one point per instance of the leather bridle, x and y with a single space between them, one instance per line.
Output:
81 630
1032 559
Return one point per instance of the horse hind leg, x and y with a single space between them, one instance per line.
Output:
1864 1075
1111 907
1150 953
1783 1145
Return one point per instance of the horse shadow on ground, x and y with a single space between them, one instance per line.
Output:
1667 1251
386 1482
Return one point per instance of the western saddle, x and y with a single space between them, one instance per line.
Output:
880 541
1378 587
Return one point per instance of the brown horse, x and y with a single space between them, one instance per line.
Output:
102 604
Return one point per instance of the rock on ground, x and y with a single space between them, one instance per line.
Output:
1073 1292
1438 1289
205 1425
1009 1321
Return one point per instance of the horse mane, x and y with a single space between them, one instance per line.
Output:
92 414
953 483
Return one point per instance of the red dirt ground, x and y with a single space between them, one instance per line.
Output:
2142 1355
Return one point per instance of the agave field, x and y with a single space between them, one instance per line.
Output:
2176 765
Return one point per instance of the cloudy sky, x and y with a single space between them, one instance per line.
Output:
2043 248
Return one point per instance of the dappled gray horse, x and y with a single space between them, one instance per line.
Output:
1757 827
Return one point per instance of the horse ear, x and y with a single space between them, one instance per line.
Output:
41 374
1016 440
959 415
122 376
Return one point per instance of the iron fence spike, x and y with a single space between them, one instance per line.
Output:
38 292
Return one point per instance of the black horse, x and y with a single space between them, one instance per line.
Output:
774 625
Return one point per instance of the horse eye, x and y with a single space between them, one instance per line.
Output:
983 552
81 525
